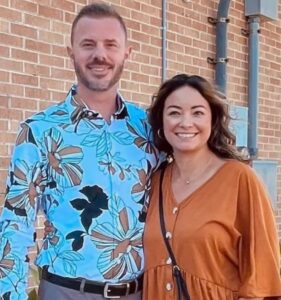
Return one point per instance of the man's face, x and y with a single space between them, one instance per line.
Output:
99 50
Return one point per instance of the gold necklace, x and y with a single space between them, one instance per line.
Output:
189 179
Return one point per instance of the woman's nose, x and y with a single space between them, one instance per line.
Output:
186 121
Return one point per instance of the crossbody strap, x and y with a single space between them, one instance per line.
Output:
181 285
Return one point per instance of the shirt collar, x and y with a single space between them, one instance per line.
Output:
79 111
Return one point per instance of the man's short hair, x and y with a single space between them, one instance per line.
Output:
98 11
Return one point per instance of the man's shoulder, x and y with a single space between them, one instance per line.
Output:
54 115
135 108
54 112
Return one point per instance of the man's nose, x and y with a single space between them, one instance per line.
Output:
99 53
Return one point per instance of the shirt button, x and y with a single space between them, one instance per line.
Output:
169 286
168 235
175 210
169 261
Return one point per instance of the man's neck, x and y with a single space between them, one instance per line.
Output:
103 102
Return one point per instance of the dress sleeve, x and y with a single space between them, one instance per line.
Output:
259 261
18 215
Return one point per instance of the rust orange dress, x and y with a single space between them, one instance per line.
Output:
223 236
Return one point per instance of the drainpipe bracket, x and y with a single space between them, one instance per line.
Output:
213 61
245 32
214 21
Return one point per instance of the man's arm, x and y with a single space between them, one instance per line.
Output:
18 215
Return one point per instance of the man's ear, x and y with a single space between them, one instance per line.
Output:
70 53
128 52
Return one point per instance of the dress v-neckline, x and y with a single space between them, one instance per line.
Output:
188 199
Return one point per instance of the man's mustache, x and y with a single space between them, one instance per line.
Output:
99 62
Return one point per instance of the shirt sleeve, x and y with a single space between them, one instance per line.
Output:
18 215
259 261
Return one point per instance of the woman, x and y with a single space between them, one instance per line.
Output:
218 218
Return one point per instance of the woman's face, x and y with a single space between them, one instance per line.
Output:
187 120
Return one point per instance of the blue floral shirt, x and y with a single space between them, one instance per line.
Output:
91 178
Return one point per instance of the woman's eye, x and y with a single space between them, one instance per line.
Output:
173 113
198 113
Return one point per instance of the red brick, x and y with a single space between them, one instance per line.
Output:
24 79
131 4
11 89
51 37
50 12
140 77
4 103
140 36
37 93
22 30
4 51
24 55
50 60
64 5
60 27
62 74
59 96
4 76
22 5
11 15
11 114
9 40
37 70
37 22
52 84
134 25
138 16
150 70
37 46
151 10
150 50
22 103
69 17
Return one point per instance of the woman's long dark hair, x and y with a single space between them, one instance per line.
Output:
221 141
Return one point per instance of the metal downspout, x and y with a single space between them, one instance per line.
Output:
221 45
253 82
164 39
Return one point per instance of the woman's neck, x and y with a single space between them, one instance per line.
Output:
193 163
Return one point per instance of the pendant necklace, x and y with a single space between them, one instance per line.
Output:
189 179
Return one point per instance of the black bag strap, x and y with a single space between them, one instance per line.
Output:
181 284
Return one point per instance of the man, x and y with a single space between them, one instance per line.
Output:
86 162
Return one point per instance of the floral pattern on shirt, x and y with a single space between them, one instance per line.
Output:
91 179
63 161
24 189
120 241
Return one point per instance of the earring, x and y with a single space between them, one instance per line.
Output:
159 133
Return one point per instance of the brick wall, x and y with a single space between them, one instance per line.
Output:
35 70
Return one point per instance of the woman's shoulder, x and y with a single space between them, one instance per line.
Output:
242 170
238 166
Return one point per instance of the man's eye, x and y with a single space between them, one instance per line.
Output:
87 45
112 45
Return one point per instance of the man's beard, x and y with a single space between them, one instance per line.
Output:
95 84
